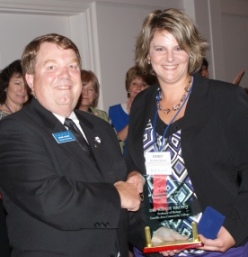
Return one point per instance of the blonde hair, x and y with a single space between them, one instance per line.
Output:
181 27
133 73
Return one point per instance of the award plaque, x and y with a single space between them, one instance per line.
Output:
173 205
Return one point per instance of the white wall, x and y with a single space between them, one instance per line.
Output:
225 25
18 29
105 33
234 23
118 27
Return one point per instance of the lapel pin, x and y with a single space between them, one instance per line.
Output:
98 140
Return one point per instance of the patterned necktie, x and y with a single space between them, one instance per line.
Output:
72 127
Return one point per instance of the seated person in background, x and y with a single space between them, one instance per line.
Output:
204 72
119 113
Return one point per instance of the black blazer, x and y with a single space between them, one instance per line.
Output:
58 201
214 147
4 241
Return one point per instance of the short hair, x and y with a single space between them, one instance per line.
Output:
133 73
28 59
181 27
5 76
89 76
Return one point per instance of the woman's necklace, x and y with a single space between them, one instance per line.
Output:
176 106
8 108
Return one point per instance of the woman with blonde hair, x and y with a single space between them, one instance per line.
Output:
188 141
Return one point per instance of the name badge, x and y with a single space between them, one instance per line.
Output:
158 163
64 137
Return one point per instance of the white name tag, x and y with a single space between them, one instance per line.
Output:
158 163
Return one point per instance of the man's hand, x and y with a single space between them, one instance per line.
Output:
137 179
129 195
222 243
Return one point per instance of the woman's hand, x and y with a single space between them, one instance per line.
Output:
222 243
164 234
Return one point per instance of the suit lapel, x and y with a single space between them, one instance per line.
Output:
72 148
76 151
198 108
140 118
196 115
101 149
53 125
93 138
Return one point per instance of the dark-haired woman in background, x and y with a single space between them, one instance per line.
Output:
13 89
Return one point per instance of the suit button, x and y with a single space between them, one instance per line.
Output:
97 225
104 225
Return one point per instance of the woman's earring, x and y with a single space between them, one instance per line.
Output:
149 61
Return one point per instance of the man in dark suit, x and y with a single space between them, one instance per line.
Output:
60 200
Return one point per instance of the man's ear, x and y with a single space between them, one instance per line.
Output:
30 79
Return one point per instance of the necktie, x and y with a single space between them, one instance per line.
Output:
72 127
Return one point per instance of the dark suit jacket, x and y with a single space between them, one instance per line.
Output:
214 147
59 203
4 242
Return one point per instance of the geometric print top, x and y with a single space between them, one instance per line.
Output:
179 190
